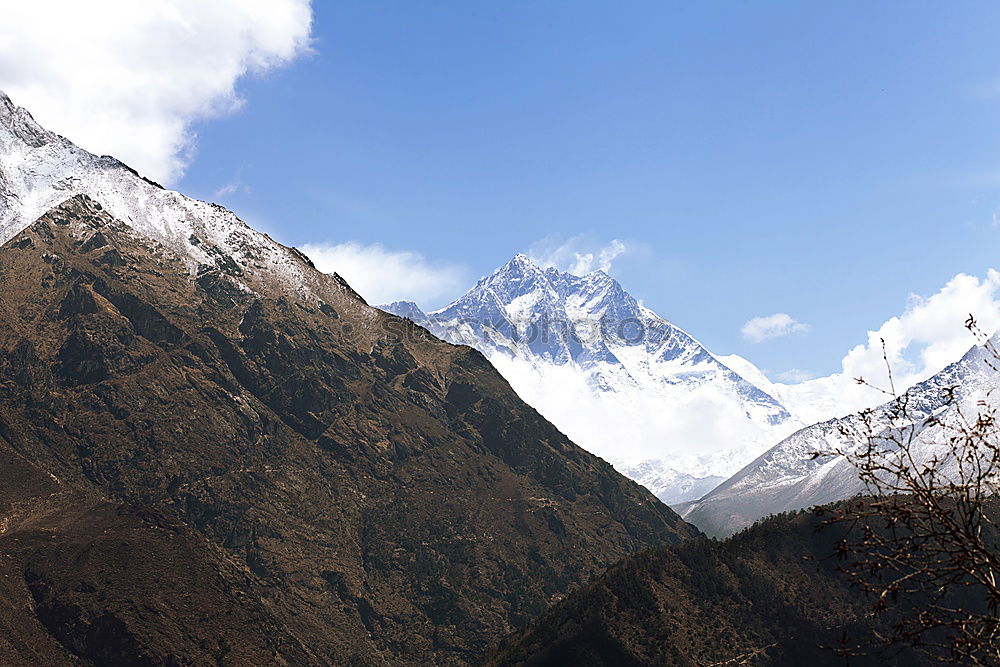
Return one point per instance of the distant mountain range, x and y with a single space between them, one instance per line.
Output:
613 375
709 434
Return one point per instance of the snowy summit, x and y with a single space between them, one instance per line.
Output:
613 375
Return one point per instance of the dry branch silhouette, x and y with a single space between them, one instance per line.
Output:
923 539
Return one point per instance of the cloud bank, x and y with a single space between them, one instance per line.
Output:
930 334
128 78
382 276
704 432
761 329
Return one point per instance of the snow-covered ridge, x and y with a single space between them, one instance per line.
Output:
40 169
788 477
620 380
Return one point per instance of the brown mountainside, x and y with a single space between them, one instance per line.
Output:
197 473
774 594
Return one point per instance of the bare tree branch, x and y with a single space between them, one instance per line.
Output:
923 538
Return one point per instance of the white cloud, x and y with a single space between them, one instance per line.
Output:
930 334
128 78
794 375
761 329
382 276
230 189
233 186
578 254
226 190
628 427
926 337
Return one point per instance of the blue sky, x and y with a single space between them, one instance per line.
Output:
823 160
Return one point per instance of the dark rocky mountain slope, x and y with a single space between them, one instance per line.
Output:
90 581
201 472
773 594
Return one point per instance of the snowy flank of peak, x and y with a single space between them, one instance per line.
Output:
788 477
669 485
749 372
614 376
811 401
406 309
40 169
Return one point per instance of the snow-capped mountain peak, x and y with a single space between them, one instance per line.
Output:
17 125
619 379
40 169
408 309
